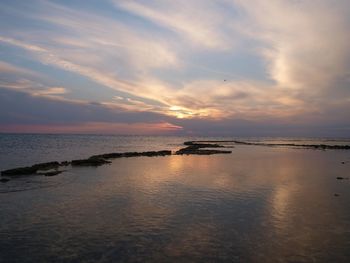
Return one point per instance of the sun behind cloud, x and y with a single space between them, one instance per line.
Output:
220 62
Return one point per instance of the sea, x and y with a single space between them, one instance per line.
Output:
257 204
18 150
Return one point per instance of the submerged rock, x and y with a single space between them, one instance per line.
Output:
132 154
64 163
19 171
46 166
108 156
31 169
342 178
189 151
50 173
95 160
194 147
310 146
156 153
53 173
203 145
148 154
4 180
90 162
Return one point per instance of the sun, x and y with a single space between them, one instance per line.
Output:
180 112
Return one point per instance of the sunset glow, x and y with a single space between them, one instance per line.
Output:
209 67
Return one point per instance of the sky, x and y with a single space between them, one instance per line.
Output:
191 67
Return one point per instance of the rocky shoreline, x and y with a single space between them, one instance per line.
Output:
310 146
52 168
192 148
197 148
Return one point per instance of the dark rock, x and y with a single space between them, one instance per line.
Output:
4 180
336 194
342 178
95 160
90 162
46 166
108 156
20 171
132 154
53 173
190 150
203 145
31 169
194 147
155 153
312 146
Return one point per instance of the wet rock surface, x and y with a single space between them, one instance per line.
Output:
65 163
19 171
30 169
203 145
197 148
342 178
52 173
311 146
192 147
4 180
90 162
188 151
132 154
96 160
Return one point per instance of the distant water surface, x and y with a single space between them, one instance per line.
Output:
258 204
18 150
27 149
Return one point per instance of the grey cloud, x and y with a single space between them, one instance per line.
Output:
22 108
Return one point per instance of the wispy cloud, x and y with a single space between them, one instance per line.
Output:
180 58
95 128
305 43
200 22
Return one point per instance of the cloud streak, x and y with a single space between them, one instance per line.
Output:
179 59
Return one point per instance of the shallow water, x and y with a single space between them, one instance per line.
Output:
258 204
18 150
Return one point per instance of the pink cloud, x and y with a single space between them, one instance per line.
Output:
94 127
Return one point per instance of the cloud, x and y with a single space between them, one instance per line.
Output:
7 68
102 49
28 81
50 110
176 59
50 91
199 22
21 112
94 128
305 43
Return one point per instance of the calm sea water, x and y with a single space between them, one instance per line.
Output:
258 204
27 149
18 150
